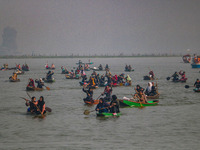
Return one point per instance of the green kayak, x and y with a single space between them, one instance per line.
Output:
108 114
137 104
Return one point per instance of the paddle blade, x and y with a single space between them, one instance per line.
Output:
187 86
48 109
168 78
47 88
86 112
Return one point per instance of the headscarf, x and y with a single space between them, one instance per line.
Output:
128 78
149 87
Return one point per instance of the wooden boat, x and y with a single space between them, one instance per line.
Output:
196 90
29 88
132 103
186 58
11 80
95 102
154 97
107 114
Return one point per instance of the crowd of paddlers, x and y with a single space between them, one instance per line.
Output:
106 103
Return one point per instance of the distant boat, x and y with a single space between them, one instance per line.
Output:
196 62
186 58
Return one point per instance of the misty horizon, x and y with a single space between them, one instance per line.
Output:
112 27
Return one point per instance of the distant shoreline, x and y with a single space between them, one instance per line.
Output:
109 56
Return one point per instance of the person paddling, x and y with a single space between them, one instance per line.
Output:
141 96
107 91
197 84
40 83
102 106
49 75
175 76
183 78
151 74
41 106
14 76
89 93
32 104
31 83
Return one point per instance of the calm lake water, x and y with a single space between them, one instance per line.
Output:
172 124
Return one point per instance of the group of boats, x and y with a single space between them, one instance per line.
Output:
195 60
124 102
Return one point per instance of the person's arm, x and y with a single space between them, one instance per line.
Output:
43 109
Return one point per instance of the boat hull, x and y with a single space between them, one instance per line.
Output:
33 89
95 102
196 90
195 65
18 80
153 97
137 104
70 77
108 114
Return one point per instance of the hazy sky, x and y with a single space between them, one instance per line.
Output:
103 26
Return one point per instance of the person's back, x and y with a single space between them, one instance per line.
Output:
114 105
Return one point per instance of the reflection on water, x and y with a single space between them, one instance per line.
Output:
173 124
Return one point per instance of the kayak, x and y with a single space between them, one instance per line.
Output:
11 80
28 88
107 114
154 96
137 104
196 90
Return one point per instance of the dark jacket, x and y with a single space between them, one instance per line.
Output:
103 107
114 108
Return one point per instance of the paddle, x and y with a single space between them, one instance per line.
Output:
138 100
168 78
47 87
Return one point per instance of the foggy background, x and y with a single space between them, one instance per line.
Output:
88 27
